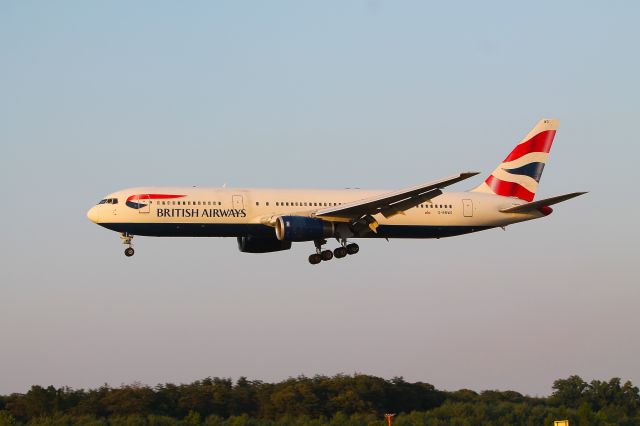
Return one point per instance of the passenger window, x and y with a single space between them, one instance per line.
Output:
267 204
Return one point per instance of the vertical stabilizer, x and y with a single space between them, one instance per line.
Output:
519 174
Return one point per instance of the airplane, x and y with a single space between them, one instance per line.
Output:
270 220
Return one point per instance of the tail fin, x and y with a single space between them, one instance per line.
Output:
519 174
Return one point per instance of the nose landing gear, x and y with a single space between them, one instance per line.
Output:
127 239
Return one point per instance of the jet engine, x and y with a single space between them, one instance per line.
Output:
300 228
262 244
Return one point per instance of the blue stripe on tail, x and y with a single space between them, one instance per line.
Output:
533 170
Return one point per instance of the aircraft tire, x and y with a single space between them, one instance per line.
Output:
315 258
340 252
129 252
326 255
352 248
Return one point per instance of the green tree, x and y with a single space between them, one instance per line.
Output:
129 400
6 419
570 392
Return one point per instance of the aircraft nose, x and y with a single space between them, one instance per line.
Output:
93 214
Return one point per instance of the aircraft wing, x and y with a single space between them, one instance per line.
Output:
535 205
391 203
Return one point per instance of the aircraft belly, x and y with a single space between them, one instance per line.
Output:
422 231
186 229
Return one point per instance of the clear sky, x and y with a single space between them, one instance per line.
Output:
99 96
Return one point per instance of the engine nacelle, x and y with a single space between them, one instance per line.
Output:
300 228
262 244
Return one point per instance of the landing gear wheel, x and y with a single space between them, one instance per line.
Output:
340 252
327 255
352 248
126 240
315 258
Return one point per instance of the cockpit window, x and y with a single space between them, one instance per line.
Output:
109 201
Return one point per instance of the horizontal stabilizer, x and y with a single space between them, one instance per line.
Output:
525 208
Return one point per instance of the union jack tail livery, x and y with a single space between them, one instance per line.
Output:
519 174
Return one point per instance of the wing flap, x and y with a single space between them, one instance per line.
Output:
392 203
535 205
401 206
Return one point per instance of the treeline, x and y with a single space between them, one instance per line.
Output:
340 400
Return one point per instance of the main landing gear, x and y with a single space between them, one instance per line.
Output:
338 253
127 240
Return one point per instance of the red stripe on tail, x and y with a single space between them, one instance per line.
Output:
539 143
509 189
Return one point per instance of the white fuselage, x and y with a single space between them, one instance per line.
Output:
226 212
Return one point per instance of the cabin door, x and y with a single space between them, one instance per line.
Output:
238 202
467 208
